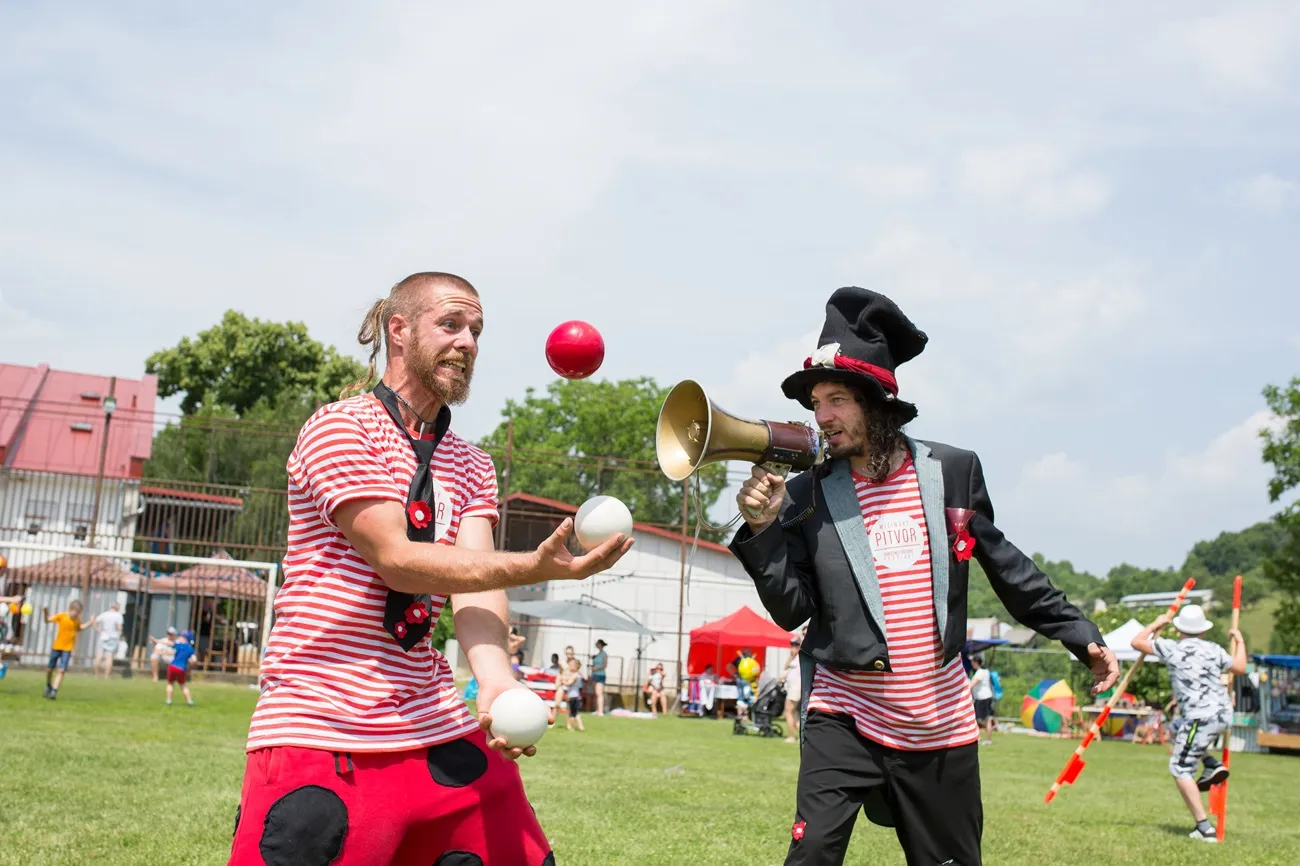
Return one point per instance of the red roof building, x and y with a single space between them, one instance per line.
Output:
53 421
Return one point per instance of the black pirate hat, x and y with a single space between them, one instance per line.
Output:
865 338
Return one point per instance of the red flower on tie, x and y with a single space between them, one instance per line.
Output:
963 546
417 613
797 830
400 630
419 514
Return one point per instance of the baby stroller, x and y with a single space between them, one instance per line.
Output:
765 712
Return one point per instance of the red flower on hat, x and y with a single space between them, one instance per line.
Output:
400 630
417 613
963 546
419 514
797 830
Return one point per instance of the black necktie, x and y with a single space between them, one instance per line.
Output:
406 615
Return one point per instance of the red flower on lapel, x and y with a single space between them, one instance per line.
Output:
417 613
419 514
963 546
400 630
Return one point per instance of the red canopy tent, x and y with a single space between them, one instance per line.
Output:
717 643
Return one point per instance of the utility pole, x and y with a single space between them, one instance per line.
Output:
681 586
110 406
504 492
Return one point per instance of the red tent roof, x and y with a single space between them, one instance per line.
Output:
742 627
717 643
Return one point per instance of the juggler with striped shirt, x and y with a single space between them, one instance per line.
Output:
360 750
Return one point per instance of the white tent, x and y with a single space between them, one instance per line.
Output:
1121 642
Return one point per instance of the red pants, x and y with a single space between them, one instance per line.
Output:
457 804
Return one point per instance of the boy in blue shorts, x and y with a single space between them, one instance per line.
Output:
178 670
69 625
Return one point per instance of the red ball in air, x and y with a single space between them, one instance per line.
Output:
575 349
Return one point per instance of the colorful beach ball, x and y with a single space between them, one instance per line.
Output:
1048 706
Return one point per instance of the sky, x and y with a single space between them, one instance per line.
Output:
1092 212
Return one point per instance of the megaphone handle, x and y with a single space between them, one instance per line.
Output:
782 469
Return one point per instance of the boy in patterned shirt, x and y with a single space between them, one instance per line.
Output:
1196 667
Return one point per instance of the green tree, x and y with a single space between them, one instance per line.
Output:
216 445
583 438
241 361
1282 451
1077 585
1125 579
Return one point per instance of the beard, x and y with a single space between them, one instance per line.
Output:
449 385
874 438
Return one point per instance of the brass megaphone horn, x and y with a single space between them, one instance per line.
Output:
693 432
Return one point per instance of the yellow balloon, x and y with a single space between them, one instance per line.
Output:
748 669
27 609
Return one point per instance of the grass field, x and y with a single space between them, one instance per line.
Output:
108 775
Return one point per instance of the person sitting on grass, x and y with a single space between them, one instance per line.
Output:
572 682
65 639
1195 669
178 670
1152 728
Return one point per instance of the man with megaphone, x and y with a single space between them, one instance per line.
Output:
871 547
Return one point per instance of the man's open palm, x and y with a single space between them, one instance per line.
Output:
557 563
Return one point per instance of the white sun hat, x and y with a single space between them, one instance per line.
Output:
1191 620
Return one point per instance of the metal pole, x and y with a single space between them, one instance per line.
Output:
110 404
681 584
268 610
505 484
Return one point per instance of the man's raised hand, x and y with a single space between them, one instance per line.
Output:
761 495
555 562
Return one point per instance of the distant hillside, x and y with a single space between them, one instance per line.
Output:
1214 563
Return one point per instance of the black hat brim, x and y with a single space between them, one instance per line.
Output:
798 387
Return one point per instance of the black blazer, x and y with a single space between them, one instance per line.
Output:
814 564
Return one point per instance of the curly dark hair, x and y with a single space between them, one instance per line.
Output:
885 422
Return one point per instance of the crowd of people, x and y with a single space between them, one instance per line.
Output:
174 650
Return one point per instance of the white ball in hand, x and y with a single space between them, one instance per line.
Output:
519 717
599 519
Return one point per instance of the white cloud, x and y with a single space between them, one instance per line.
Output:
894 181
1101 513
1031 332
1265 193
1034 178
1249 49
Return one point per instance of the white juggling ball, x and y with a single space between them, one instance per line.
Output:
520 717
601 518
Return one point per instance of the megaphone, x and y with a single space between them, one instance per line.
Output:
693 432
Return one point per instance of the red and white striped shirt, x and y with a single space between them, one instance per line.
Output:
921 703
333 678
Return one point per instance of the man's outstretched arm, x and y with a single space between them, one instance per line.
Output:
377 529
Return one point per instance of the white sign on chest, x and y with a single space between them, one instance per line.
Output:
898 541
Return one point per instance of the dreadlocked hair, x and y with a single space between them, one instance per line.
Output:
885 436
408 298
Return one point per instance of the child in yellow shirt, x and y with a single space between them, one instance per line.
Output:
69 626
